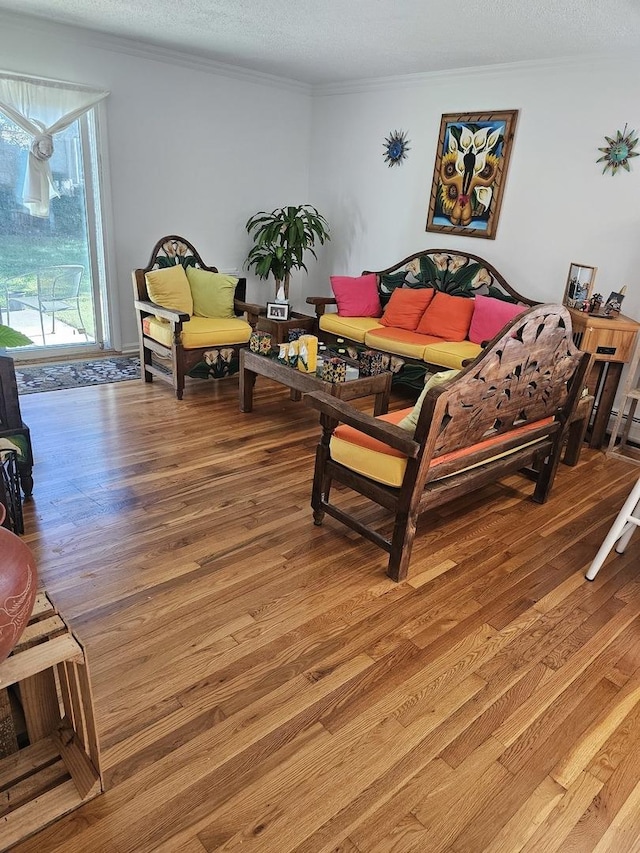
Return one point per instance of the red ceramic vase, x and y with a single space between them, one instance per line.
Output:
18 581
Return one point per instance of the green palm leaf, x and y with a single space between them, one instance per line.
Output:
11 338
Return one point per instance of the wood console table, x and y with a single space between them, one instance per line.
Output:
611 343
253 365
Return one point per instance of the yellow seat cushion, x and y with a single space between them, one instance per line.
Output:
399 341
451 353
384 464
201 332
353 328
169 287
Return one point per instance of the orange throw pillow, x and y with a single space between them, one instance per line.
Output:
406 307
447 316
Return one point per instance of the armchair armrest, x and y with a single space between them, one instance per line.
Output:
253 311
159 311
320 303
340 411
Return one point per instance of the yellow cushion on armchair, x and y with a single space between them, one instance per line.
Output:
169 287
200 332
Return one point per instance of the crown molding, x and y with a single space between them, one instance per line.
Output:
407 81
149 51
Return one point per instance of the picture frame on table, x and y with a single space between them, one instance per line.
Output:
579 286
278 310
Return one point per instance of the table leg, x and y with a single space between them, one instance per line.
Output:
605 393
247 380
381 405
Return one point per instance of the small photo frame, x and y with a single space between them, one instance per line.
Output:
613 305
278 310
579 286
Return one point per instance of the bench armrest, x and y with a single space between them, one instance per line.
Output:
320 303
338 410
159 311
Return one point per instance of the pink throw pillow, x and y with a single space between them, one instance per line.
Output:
357 296
489 316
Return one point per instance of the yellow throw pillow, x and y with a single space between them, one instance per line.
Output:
212 293
410 422
169 287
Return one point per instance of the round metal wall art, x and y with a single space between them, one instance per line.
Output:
395 147
618 151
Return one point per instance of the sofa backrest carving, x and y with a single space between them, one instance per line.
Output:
453 272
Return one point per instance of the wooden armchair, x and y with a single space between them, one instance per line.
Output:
509 409
172 342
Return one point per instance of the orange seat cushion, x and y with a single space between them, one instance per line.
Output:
448 317
385 464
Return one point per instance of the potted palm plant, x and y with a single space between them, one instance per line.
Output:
281 239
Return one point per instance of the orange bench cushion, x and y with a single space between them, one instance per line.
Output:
385 464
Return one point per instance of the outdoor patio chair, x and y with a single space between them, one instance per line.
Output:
50 291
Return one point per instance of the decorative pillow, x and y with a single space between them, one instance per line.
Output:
406 307
356 296
410 421
489 316
212 293
448 316
169 287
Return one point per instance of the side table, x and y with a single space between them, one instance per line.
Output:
611 342
279 329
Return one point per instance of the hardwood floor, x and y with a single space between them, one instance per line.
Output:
261 685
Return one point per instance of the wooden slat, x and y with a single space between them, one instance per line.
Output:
38 631
35 659
78 765
40 705
19 824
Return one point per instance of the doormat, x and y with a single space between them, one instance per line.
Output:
59 375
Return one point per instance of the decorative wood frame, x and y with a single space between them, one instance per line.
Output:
579 286
278 310
471 165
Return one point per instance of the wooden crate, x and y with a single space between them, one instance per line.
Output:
60 768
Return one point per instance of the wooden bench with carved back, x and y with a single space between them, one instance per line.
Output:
509 409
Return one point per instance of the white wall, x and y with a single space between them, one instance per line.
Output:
190 150
557 206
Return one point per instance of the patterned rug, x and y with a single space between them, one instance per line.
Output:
56 376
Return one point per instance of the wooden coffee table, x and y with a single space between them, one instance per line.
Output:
253 365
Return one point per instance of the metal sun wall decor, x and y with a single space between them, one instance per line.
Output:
472 158
395 147
618 151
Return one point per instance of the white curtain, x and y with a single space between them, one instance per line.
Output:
42 108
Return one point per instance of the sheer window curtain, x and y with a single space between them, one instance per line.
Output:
43 108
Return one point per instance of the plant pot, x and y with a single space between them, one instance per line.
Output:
18 582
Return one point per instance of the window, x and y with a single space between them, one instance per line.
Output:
51 264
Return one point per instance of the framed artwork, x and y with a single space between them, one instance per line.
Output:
278 310
579 285
472 159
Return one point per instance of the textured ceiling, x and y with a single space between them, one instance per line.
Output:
328 41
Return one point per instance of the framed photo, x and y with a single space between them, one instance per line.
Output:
278 310
472 158
579 285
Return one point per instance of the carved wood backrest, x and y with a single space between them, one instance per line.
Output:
172 250
456 273
523 376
